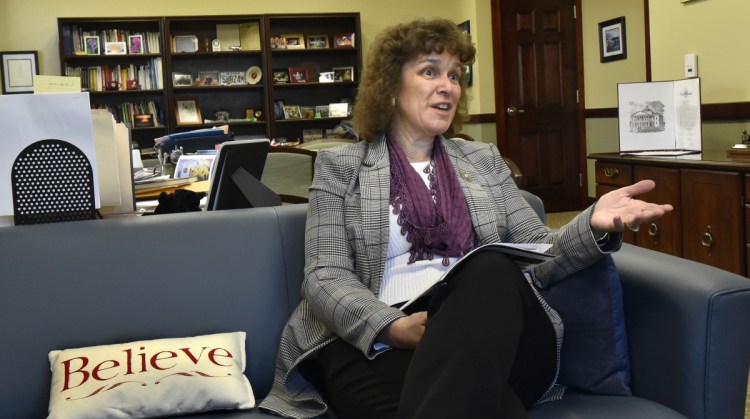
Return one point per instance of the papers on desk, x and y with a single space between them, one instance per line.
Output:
660 118
161 182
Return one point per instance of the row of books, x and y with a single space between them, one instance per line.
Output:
150 45
116 77
126 111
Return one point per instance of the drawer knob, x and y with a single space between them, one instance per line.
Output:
653 230
610 172
708 239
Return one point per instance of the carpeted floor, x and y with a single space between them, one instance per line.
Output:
559 219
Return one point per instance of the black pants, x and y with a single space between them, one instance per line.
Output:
488 352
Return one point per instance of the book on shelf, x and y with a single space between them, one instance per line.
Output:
524 255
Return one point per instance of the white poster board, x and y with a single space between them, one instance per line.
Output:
660 118
27 118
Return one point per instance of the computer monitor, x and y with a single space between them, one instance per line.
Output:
235 176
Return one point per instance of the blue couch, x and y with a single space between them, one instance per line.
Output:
107 281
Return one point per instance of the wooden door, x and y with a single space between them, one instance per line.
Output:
664 234
535 96
712 219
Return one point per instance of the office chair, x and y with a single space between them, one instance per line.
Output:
52 181
289 172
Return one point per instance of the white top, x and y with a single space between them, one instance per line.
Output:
403 281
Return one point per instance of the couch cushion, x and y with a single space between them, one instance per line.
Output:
576 405
594 355
151 378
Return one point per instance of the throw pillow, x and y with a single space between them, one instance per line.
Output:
151 378
594 356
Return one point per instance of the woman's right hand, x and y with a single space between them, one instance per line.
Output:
405 332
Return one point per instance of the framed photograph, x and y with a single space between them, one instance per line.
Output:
208 78
292 112
19 68
465 28
185 43
321 111
135 44
325 77
280 76
307 112
182 79
299 74
115 48
343 74
278 109
92 45
317 41
187 111
612 42
143 120
277 42
194 165
294 41
343 40
254 114
232 78
338 110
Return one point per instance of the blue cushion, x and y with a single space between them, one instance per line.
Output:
594 355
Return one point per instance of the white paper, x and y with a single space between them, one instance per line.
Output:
659 116
27 118
106 157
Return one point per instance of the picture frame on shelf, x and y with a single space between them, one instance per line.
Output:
208 78
338 110
277 42
326 77
143 120
232 78
278 109
299 75
317 41
18 69
307 112
292 112
135 44
185 43
343 74
115 48
93 46
182 79
187 111
344 40
321 111
294 41
280 76
612 40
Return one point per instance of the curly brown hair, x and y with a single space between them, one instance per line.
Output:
381 79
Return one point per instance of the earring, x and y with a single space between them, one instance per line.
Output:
393 101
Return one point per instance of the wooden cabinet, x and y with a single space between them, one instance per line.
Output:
709 196
179 62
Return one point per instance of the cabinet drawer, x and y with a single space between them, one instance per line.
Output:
614 174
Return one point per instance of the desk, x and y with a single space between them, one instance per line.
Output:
153 193
709 192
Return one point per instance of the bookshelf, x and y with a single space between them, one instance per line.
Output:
231 83
127 81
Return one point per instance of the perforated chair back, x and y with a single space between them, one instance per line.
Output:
52 181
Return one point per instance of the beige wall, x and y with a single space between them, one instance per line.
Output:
715 30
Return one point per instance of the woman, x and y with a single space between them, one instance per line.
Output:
388 216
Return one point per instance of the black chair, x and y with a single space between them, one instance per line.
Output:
52 181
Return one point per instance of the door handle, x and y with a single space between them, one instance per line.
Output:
512 111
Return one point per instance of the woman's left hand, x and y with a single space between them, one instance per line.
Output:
618 210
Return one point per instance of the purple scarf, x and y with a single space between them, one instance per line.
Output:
435 220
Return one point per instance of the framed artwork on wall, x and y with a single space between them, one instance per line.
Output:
612 42
18 69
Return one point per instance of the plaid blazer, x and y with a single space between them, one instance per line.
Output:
345 251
